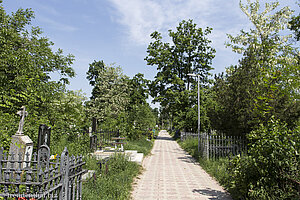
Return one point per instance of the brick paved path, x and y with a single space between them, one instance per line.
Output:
170 173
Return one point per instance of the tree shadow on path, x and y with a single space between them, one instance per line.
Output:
164 138
187 159
213 194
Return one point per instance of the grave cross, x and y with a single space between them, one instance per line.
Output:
22 114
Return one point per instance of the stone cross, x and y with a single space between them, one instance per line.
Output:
21 145
22 114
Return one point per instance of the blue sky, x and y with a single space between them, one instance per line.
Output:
118 31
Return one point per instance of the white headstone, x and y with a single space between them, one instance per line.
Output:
21 144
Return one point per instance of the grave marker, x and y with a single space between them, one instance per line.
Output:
43 156
23 113
44 136
21 144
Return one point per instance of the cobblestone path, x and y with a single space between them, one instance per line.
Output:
170 173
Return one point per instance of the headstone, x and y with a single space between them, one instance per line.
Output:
21 144
44 136
43 156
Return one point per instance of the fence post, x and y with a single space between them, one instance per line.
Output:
207 147
64 170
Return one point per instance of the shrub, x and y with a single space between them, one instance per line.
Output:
271 168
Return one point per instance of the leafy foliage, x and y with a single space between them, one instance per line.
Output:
189 53
271 168
295 25
140 115
110 93
113 181
26 60
118 102
265 82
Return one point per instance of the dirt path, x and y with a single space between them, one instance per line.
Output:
170 173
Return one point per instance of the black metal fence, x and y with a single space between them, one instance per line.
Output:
40 178
102 138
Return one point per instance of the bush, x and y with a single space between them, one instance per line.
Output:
76 145
271 168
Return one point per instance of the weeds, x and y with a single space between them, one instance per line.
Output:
113 181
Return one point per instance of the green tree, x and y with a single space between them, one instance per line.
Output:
67 114
270 170
26 60
139 89
295 25
110 94
140 115
265 82
189 52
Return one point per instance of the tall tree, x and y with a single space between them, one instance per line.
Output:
265 82
26 59
189 52
138 89
110 92
295 24
140 116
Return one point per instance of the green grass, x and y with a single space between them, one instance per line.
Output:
142 145
113 181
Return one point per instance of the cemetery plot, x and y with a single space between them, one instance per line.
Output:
28 175
58 179
118 141
101 139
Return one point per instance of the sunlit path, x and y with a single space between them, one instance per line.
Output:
170 173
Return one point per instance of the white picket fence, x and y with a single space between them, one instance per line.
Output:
213 146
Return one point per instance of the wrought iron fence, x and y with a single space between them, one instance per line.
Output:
41 178
102 138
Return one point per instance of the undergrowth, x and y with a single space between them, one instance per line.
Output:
269 170
113 181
